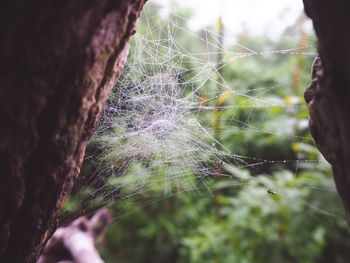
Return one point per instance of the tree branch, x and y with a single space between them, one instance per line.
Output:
76 242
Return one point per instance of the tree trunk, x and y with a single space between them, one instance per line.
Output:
328 96
58 62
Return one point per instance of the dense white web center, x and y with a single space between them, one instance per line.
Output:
167 124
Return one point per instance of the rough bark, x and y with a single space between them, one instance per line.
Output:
328 96
58 61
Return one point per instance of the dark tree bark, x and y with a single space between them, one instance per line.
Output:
328 96
58 61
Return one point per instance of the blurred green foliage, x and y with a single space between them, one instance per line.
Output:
281 210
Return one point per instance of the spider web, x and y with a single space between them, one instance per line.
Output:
164 128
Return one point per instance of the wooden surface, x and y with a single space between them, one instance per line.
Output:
328 96
58 62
